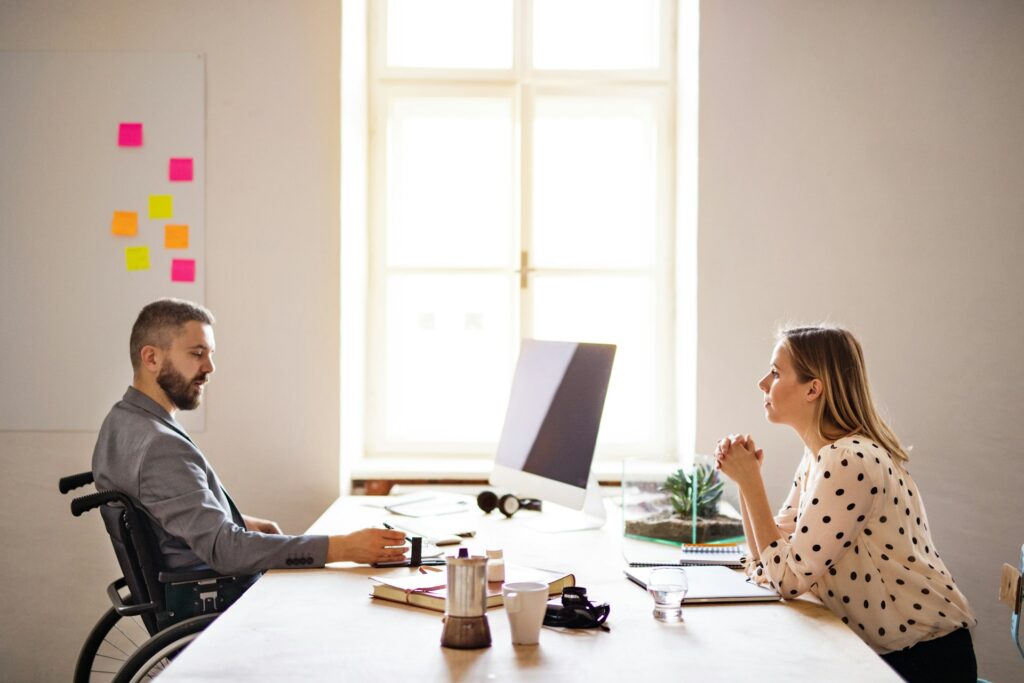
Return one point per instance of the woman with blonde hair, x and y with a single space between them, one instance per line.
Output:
853 530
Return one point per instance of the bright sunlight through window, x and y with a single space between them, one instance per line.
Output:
522 180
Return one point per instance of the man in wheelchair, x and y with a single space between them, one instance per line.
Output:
185 550
144 453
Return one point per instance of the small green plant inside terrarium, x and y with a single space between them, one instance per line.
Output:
704 487
693 510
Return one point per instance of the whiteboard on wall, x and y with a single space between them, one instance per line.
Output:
68 297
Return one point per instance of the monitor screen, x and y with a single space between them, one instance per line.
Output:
554 413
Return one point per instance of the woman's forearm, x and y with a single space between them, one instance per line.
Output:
758 515
755 552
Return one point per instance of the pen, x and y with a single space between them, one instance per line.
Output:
391 528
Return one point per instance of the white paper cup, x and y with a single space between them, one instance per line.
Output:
525 603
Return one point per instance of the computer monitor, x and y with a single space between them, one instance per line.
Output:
554 413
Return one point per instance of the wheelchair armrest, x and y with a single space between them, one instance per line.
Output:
190 576
118 603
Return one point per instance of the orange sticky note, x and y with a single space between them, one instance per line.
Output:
136 258
125 223
175 237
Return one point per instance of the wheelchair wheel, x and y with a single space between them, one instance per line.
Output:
156 653
112 641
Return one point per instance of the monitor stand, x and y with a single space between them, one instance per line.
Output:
558 518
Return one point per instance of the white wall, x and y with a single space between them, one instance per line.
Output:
862 162
272 93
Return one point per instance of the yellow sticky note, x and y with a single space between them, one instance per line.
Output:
161 206
136 258
175 237
125 223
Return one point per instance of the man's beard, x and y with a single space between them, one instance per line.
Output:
182 392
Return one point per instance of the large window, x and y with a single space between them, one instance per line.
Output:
522 182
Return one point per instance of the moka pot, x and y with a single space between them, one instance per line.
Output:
465 607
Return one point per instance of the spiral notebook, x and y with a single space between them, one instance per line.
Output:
645 554
724 555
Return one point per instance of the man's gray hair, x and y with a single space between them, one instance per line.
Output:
158 321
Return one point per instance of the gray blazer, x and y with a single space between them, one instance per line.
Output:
143 452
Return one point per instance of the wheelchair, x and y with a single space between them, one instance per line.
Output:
155 614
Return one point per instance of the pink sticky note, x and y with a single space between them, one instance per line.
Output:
183 270
129 135
180 169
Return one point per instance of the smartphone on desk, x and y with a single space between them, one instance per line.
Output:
433 562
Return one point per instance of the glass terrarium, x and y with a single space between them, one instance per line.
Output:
692 504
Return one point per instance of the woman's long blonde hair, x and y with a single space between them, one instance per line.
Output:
834 356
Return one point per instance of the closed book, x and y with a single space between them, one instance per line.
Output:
429 590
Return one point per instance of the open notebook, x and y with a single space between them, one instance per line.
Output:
712 584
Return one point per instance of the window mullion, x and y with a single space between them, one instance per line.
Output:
522 240
526 204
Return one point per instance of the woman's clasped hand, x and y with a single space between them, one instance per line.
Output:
738 457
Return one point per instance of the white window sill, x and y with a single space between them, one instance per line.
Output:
469 469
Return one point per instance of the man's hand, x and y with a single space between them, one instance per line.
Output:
262 525
367 546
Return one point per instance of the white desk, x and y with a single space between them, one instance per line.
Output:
320 625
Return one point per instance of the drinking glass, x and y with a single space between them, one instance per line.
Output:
667 585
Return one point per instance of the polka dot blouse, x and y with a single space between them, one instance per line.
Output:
855 534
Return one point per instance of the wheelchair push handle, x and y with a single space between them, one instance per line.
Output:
74 481
94 500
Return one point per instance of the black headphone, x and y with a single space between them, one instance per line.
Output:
508 504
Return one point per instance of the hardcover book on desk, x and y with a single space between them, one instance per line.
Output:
429 590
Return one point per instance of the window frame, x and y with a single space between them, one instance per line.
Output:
676 193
